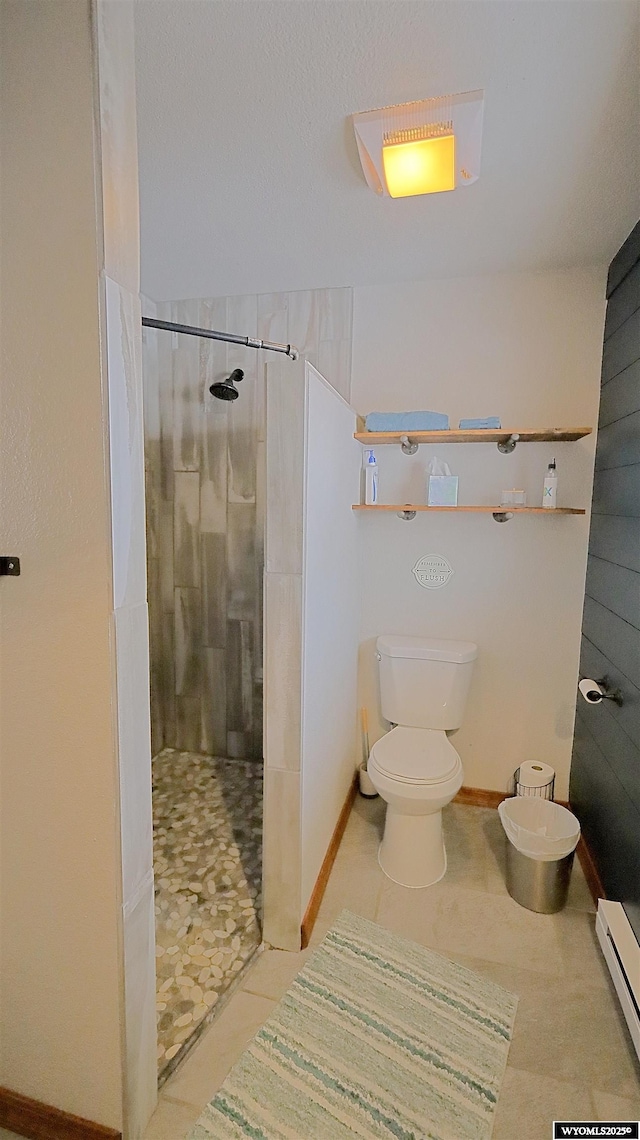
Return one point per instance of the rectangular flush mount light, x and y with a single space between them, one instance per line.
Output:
420 166
421 148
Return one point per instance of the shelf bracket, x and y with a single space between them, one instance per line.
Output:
502 516
407 446
506 446
407 515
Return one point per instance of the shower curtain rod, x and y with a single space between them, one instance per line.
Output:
249 342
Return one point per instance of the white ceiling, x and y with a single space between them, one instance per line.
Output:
249 175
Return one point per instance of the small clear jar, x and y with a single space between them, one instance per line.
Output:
513 498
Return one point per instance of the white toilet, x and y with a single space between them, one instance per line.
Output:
424 684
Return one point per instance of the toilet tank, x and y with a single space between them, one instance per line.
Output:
424 681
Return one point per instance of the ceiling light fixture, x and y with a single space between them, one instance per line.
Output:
421 148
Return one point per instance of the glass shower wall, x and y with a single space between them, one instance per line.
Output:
205 508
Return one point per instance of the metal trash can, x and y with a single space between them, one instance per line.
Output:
542 838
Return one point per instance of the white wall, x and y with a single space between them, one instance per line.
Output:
311 635
78 971
122 353
61 972
284 559
527 348
330 620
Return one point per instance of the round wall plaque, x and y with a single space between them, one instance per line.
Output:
432 571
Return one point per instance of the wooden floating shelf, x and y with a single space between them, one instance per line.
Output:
398 507
550 435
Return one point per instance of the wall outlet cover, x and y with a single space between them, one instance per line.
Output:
432 571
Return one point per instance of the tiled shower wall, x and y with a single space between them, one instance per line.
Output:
204 461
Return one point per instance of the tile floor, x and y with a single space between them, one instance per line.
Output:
207 824
571 1057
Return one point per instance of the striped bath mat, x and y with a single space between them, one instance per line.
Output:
376 1037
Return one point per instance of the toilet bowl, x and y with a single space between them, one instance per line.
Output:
417 771
424 683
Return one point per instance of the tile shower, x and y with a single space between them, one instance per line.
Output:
204 466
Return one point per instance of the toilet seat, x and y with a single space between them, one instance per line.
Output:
415 755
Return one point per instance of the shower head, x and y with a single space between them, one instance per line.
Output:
226 389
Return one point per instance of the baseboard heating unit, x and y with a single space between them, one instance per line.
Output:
622 953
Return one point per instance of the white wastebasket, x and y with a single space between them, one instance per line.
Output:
542 839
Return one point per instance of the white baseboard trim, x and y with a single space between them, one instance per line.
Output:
622 955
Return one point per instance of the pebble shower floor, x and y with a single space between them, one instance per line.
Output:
207 824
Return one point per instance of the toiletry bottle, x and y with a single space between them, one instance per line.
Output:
370 479
550 489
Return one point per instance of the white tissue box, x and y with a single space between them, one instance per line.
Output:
442 491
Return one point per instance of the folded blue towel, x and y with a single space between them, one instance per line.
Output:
407 421
489 422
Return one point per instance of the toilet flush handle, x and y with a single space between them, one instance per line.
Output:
378 656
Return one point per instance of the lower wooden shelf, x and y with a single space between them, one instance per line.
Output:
476 510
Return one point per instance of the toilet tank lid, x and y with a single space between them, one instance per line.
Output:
426 648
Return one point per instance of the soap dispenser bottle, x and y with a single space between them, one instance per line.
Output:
550 488
370 479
